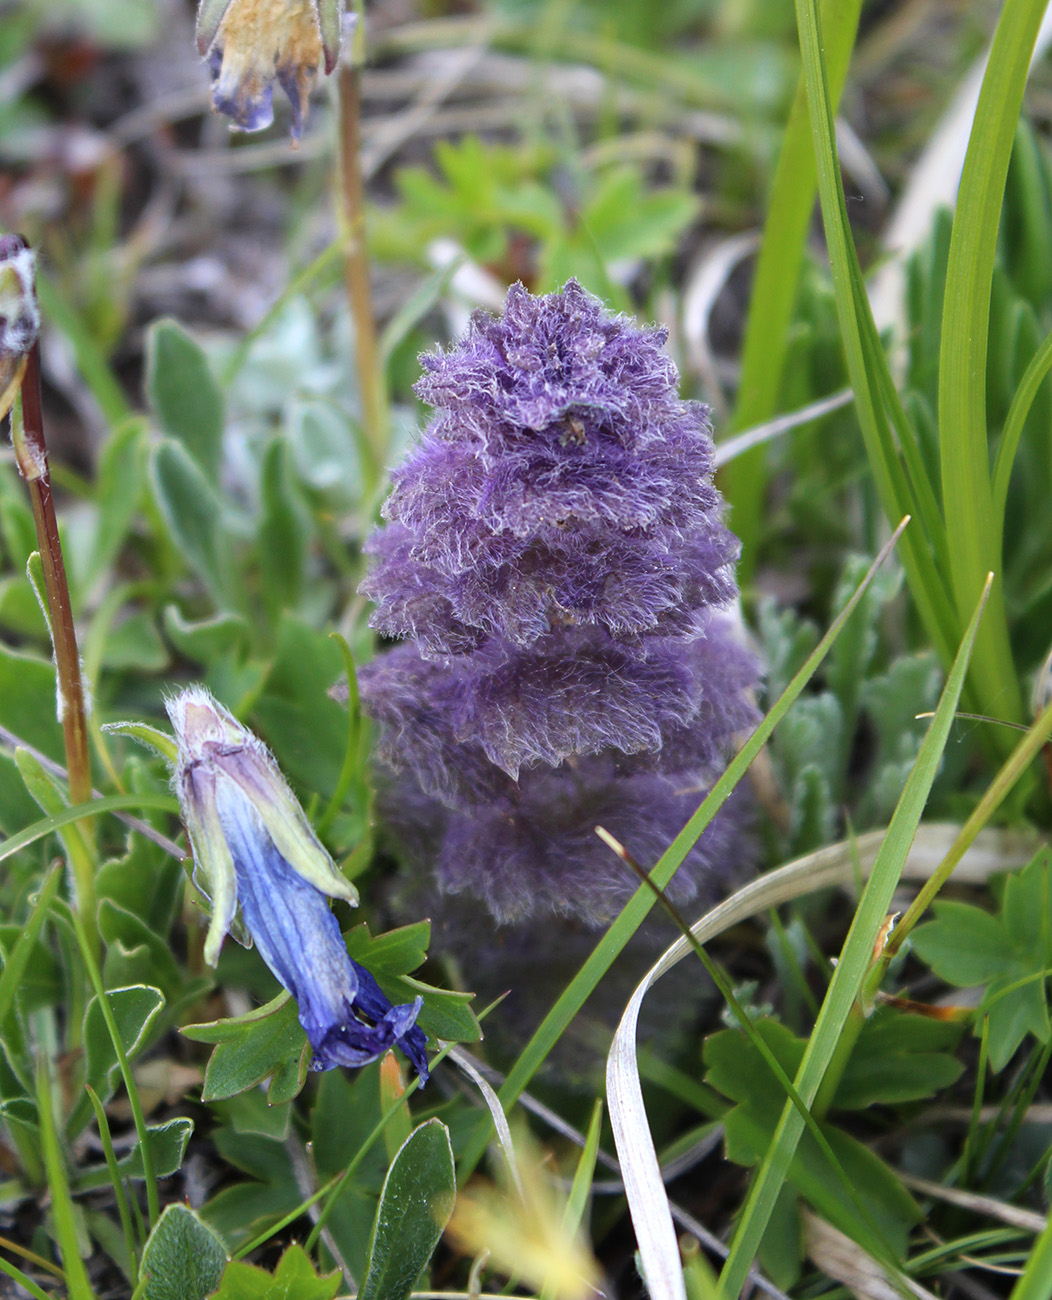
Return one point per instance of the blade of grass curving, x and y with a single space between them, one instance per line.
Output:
971 525
18 1276
1022 400
836 865
119 1192
62 1212
639 905
18 957
644 1186
112 803
855 960
864 362
775 284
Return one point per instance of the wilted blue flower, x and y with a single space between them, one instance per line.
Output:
255 850
250 43
556 561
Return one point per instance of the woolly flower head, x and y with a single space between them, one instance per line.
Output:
555 560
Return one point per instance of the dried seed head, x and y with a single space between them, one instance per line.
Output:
19 315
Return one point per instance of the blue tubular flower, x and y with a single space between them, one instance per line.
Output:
556 565
254 849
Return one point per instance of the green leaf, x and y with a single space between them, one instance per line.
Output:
284 528
167 1146
184 1258
184 395
119 483
1015 1009
135 1010
293 1279
27 708
964 945
896 1059
268 1044
415 1205
295 711
206 639
192 513
393 953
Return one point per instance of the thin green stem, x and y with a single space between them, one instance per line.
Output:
1014 767
115 1174
150 1178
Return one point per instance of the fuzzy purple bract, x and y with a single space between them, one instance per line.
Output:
556 566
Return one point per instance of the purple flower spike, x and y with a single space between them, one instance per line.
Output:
255 851
556 561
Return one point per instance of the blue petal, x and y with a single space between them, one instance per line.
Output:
346 1016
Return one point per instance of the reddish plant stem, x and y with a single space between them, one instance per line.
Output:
31 453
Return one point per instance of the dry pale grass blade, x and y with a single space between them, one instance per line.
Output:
988 1206
728 448
932 184
838 864
846 1262
496 1110
705 282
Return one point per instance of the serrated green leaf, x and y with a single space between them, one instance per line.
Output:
415 1205
184 395
293 1279
964 945
269 1046
184 1258
395 952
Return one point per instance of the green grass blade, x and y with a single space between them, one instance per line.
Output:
112 803
639 905
1022 400
850 972
63 1214
865 359
971 525
119 1192
1036 1280
18 958
775 284
16 1273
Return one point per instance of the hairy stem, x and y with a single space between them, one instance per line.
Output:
31 455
